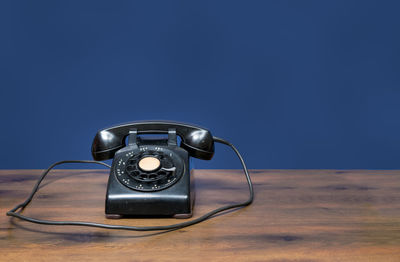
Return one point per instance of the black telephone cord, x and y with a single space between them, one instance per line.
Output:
15 213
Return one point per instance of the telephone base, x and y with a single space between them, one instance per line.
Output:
150 177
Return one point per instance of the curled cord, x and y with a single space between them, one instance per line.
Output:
14 213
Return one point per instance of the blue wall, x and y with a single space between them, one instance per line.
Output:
294 84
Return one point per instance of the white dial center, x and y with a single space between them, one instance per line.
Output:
149 163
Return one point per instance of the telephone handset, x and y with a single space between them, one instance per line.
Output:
148 176
197 141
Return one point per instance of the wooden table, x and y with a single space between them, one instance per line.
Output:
298 215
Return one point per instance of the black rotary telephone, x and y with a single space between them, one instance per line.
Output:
148 176
151 176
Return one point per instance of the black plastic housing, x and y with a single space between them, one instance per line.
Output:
175 200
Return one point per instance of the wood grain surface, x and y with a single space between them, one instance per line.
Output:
298 215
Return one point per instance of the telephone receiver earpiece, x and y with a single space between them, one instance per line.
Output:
196 140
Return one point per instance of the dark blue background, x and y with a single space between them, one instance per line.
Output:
294 84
